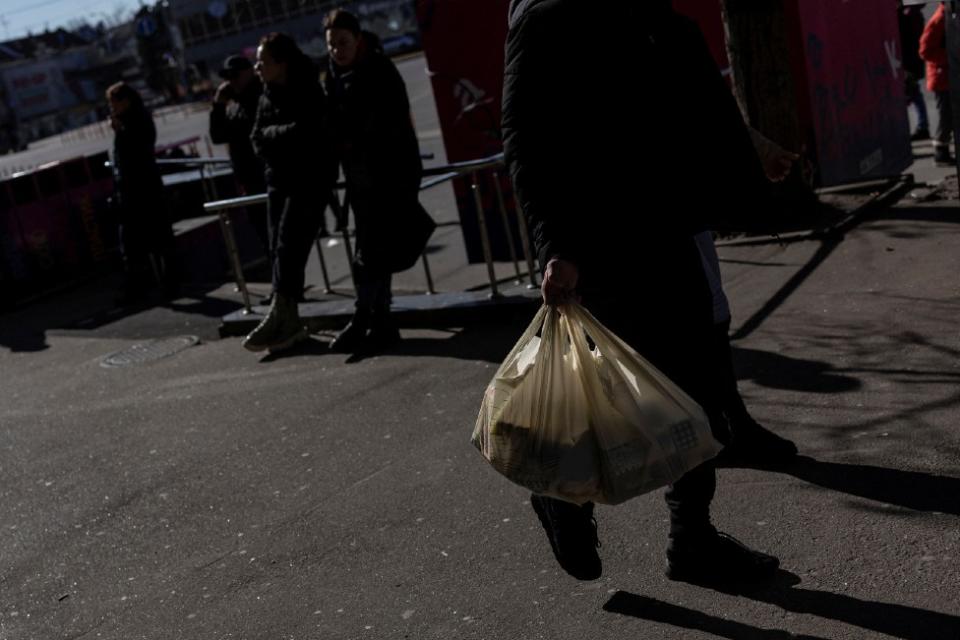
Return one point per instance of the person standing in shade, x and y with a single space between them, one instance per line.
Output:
146 234
231 122
587 168
290 136
933 49
911 28
380 155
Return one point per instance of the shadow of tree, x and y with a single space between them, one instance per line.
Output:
778 371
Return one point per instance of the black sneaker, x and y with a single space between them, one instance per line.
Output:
920 134
572 532
753 444
717 558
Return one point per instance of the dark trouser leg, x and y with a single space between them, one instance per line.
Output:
915 97
257 215
689 501
745 440
373 290
296 222
133 246
731 401
163 248
941 143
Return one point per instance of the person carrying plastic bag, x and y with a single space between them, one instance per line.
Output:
588 168
582 424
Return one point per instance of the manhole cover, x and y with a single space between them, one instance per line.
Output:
149 351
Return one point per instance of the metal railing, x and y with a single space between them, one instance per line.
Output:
432 177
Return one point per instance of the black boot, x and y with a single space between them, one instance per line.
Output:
711 557
281 329
572 533
383 332
354 335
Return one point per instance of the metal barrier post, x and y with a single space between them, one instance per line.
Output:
506 225
527 253
203 185
212 181
484 236
227 227
426 271
323 267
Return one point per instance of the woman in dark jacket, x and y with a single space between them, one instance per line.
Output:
145 227
300 170
380 155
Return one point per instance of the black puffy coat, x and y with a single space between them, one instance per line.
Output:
622 150
380 154
291 135
232 124
136 174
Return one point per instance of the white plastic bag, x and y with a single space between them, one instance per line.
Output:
584 424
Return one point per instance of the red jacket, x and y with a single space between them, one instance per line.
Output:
933 49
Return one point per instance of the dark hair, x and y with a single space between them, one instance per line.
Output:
283 48
342 19
123 91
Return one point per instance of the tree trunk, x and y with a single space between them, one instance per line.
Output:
758 48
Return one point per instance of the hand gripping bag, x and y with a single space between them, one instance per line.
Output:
585 424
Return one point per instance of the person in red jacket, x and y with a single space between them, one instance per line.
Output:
933 49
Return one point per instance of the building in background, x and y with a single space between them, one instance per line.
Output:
214 29
55 81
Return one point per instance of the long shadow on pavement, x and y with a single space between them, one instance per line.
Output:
909 489
899 621
777 371
645 608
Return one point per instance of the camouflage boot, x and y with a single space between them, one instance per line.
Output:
281 329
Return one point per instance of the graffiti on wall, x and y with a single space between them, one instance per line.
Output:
854 67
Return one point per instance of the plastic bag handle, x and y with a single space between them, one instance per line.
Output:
528 335
596 330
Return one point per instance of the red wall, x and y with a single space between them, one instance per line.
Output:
851 61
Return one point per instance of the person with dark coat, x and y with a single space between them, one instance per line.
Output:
290 136
933 49
231 123
590 168
146 234
380 156
911 25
